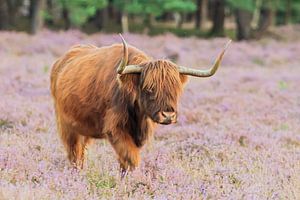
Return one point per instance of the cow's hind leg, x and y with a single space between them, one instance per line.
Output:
75 145
76 150
85 142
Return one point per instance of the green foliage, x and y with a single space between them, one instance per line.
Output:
155 7
180 6
296 11
246 4
271 4
81 10
76 13
280 6
144 7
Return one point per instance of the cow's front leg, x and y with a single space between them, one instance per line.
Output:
128 153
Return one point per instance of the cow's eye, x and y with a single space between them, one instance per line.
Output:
171 109
149 91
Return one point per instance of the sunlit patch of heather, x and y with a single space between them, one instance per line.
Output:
237 136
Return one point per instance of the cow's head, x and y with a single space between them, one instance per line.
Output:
160 84
159 90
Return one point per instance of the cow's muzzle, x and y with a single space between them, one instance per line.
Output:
166 118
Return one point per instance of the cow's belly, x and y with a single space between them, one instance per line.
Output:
87 128
82 121
91 126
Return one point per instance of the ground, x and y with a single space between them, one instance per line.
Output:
238 135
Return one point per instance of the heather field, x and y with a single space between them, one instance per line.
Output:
238 135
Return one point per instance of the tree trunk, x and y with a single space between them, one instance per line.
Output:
3 15
204 10
178 20
110 9
49 7
201 13
100 18
288 12
67 21
149 20
13 6
182 19
198 14
243 21
267 16
124 21
218 17
36 19
256 14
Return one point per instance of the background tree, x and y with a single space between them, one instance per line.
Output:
145 9
180 8
76 12
267 17
3 15
296 11
288 11
36 15
149 10
243 11
218 17
13 7
253 18
122 5
201 13
100 18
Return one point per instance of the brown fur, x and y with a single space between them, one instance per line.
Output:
92 101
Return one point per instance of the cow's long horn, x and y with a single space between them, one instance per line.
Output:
123 68
124 60
204 73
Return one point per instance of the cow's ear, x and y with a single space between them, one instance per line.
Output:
183 78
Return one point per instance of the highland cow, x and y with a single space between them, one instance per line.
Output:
116 93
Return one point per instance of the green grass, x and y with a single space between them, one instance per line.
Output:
101 181
5 124
258 61
46 69
282 85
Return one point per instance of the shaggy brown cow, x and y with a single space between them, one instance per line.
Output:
117 93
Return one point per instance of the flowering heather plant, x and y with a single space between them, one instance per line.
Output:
237 135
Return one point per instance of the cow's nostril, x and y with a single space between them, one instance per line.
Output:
164 114
169 114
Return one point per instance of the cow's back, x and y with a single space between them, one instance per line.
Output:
64 60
